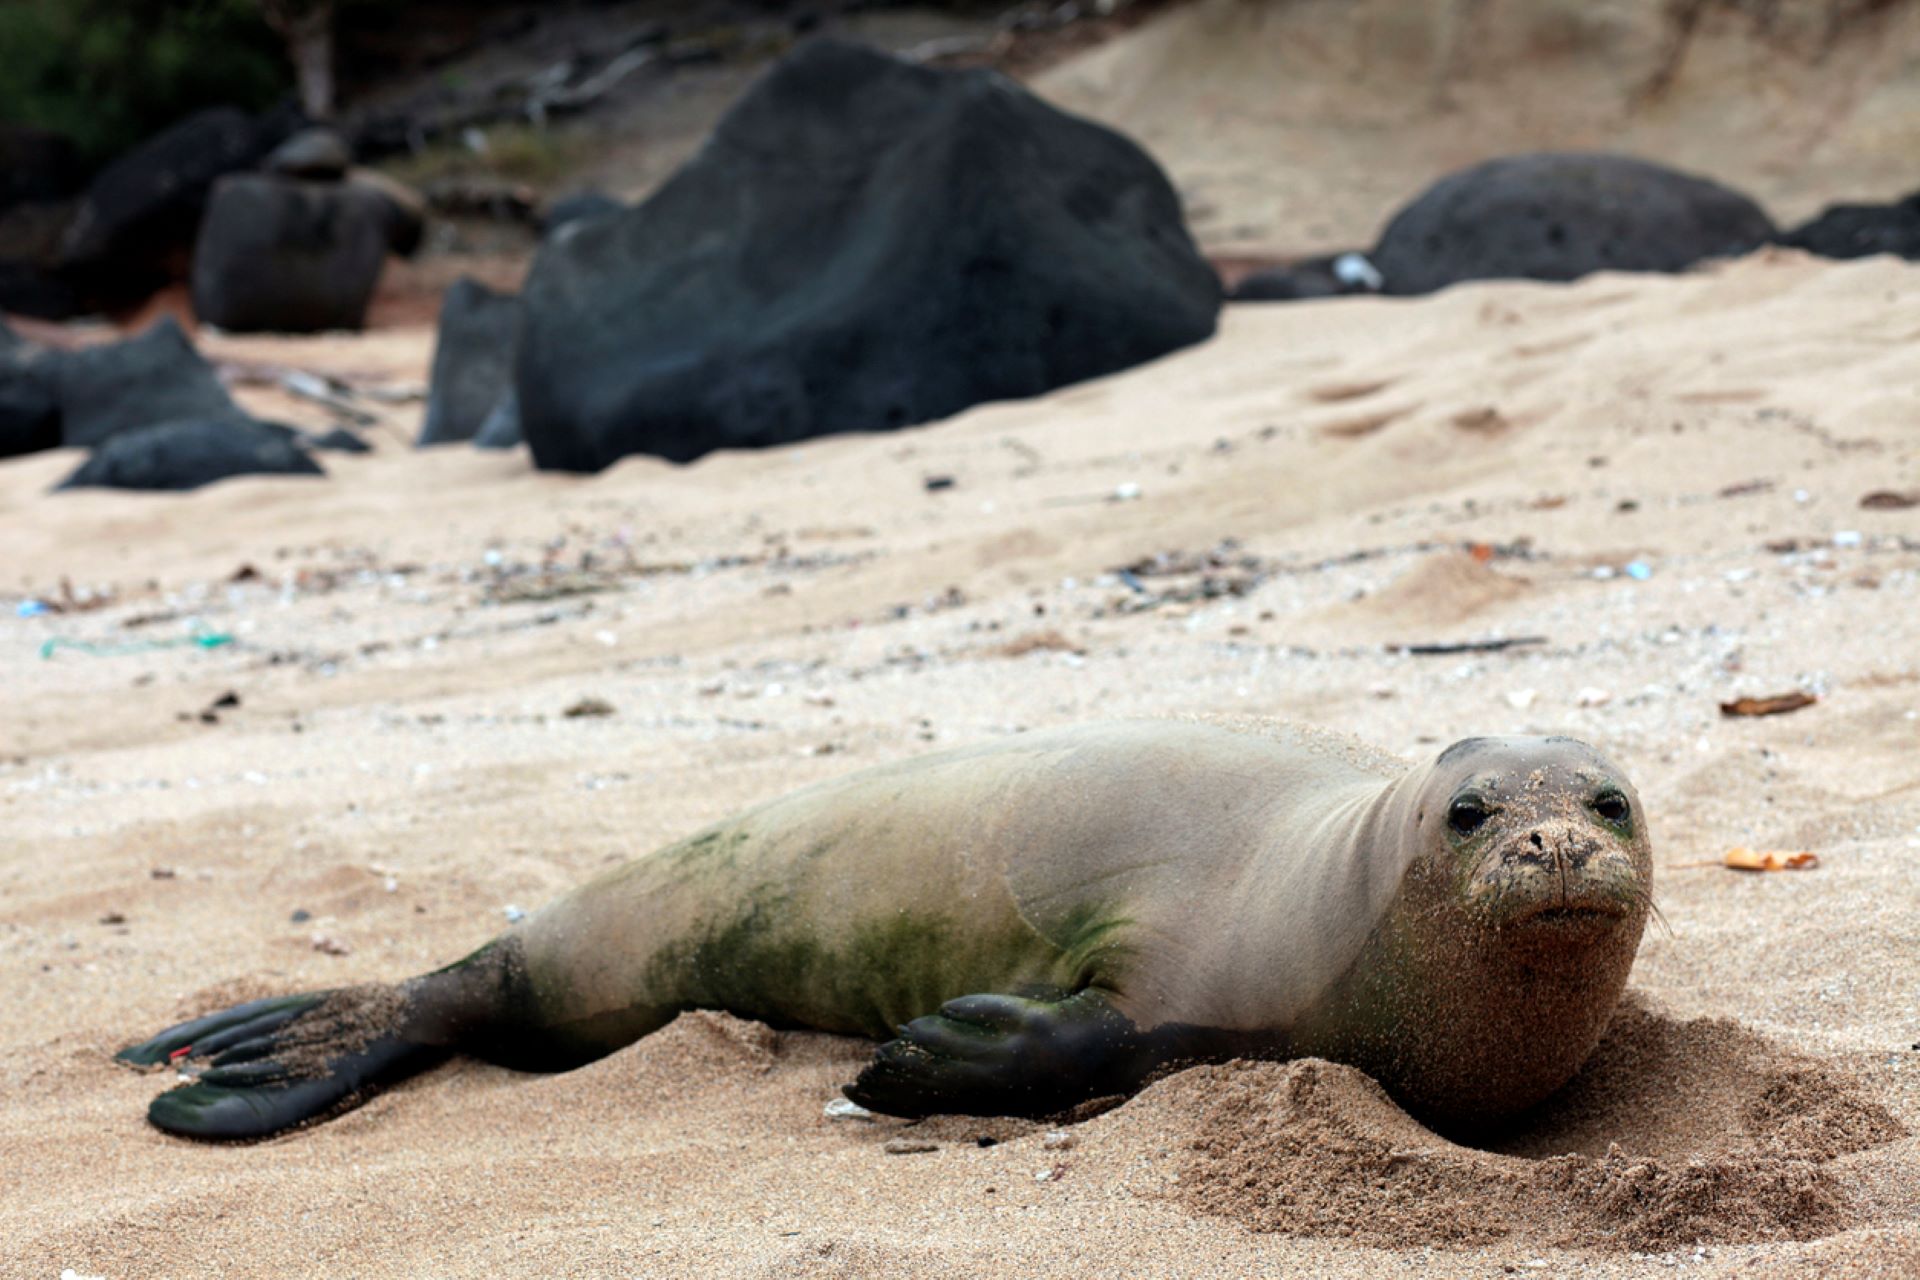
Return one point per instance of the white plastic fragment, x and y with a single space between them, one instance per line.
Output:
1356 270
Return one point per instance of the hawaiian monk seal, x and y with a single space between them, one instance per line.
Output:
1050 918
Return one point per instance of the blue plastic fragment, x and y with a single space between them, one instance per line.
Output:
30 609
1639 570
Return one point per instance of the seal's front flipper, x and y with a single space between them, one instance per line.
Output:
1005 1055
279 1063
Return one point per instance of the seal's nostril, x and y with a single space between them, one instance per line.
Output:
1537 842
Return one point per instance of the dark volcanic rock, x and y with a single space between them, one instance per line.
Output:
406 209
283 255
139 214
188 453
1560 217
501 430
36 165
338 440
578 207
863 244
29 413
30 290
1332 276
318 153
30 282
156 377
472 361
1859 230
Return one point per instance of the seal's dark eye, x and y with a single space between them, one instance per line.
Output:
1467 815
1612 806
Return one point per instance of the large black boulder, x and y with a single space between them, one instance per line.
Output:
285 255
121 386
188 453
139 214
1859 230
1560 216
862 244
472 361
29 413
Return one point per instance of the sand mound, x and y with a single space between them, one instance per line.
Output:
1439 591
1677 1133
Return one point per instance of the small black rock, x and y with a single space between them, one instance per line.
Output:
189 453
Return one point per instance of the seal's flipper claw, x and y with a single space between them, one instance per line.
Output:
246 1075
245 1051
995 1012
200 1037
258 1099
215 1113
895 1084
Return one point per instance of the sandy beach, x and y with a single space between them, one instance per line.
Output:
438 688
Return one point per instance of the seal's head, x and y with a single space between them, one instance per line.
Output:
1544 836
1528 883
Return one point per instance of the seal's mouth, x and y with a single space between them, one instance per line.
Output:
1587 914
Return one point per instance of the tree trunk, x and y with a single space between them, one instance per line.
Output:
307 28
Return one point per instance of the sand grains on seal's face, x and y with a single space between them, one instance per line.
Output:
1544 831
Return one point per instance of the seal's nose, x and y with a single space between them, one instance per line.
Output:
1557 850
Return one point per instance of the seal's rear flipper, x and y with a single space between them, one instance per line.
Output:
282 1062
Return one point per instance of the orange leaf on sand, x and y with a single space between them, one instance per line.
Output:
1776 705
1770 860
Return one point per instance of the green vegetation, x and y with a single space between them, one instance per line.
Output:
108 73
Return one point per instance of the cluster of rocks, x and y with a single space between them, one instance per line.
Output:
280 232
863 244
1561 216
151 411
